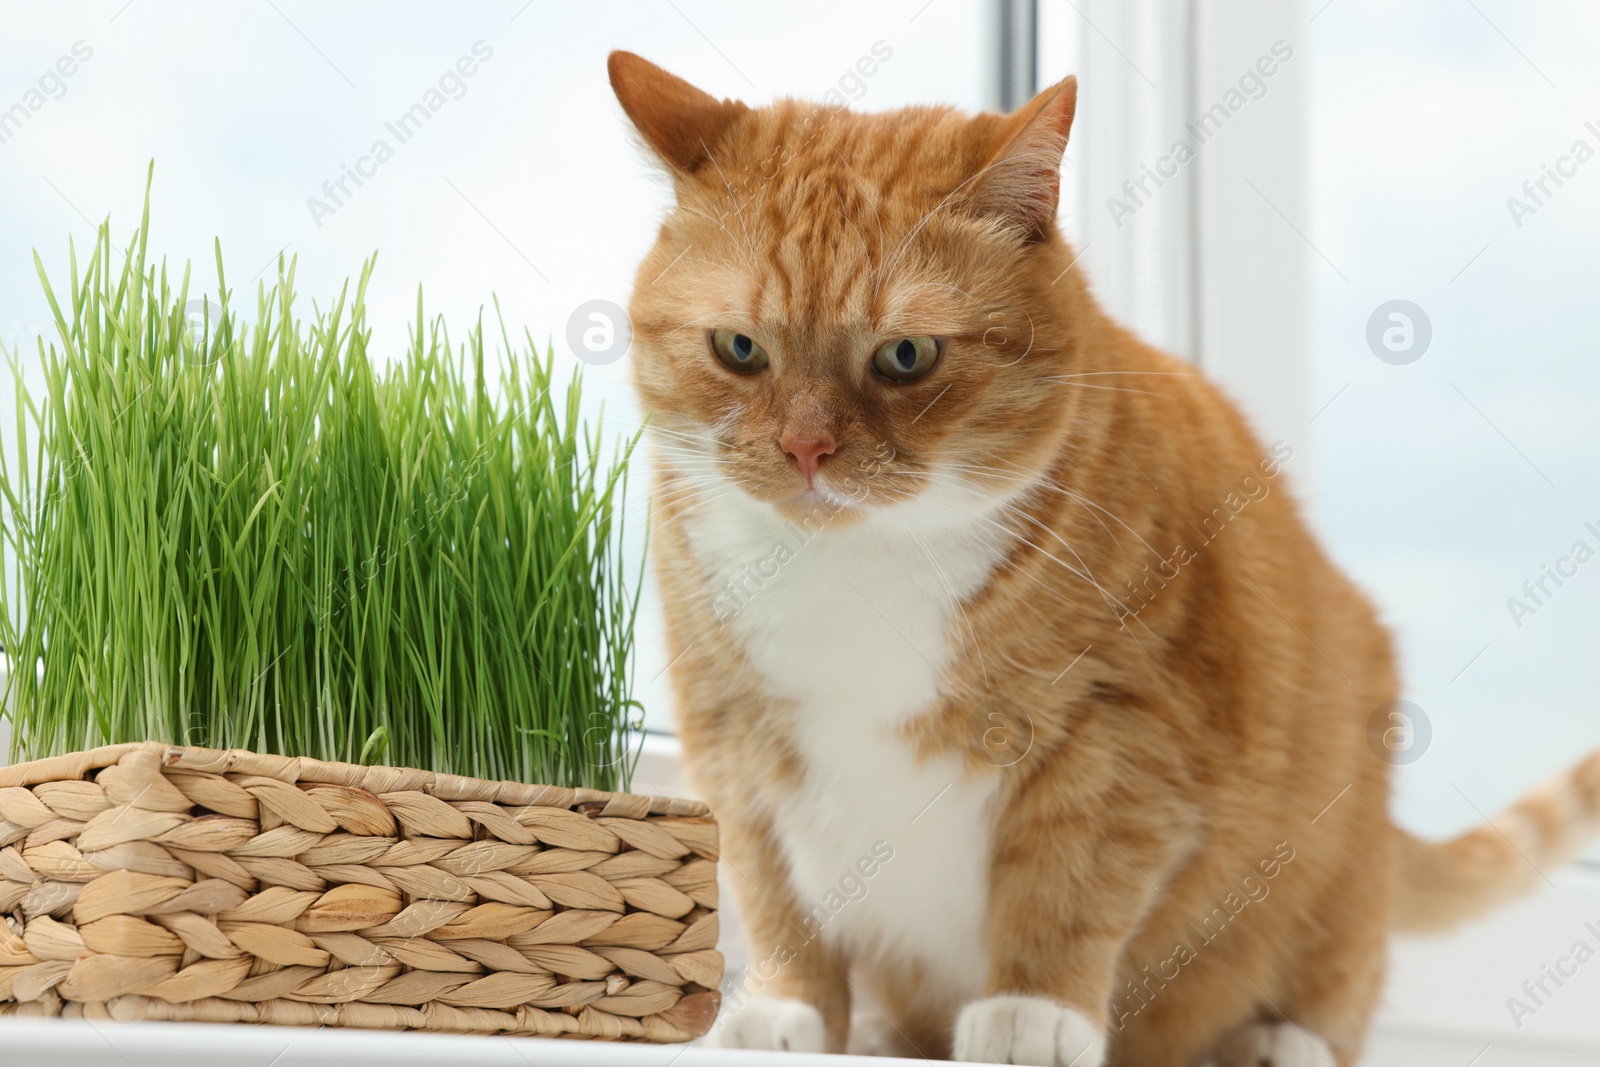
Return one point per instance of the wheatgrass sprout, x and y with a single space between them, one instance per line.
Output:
246 535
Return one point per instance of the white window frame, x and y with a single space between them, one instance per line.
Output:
1212 265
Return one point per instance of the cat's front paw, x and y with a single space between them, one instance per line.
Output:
1034 1030
774 1024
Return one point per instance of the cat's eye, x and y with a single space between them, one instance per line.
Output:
905 359
738 351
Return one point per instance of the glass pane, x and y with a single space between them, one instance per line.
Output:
1454 167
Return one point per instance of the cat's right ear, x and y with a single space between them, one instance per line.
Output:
679 122
1022 181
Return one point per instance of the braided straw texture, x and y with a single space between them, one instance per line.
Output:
146 881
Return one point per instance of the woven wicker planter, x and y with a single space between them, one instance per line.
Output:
145 881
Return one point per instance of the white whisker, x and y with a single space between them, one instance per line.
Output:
955 602
738 208
1107 388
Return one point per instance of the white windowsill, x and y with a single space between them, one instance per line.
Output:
63 1043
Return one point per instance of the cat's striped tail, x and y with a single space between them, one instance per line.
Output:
1440 884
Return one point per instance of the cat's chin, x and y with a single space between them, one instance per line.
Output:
819 507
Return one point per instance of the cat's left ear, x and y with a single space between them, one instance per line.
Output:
680 123
1021 183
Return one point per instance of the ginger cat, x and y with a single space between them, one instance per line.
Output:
1034 716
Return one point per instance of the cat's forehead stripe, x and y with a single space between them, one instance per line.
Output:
831 232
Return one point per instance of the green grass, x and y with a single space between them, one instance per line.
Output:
255 538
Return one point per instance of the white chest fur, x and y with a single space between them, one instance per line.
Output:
855 626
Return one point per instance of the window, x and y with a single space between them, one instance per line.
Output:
1449 145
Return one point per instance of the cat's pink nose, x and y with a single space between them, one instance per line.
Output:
808 450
